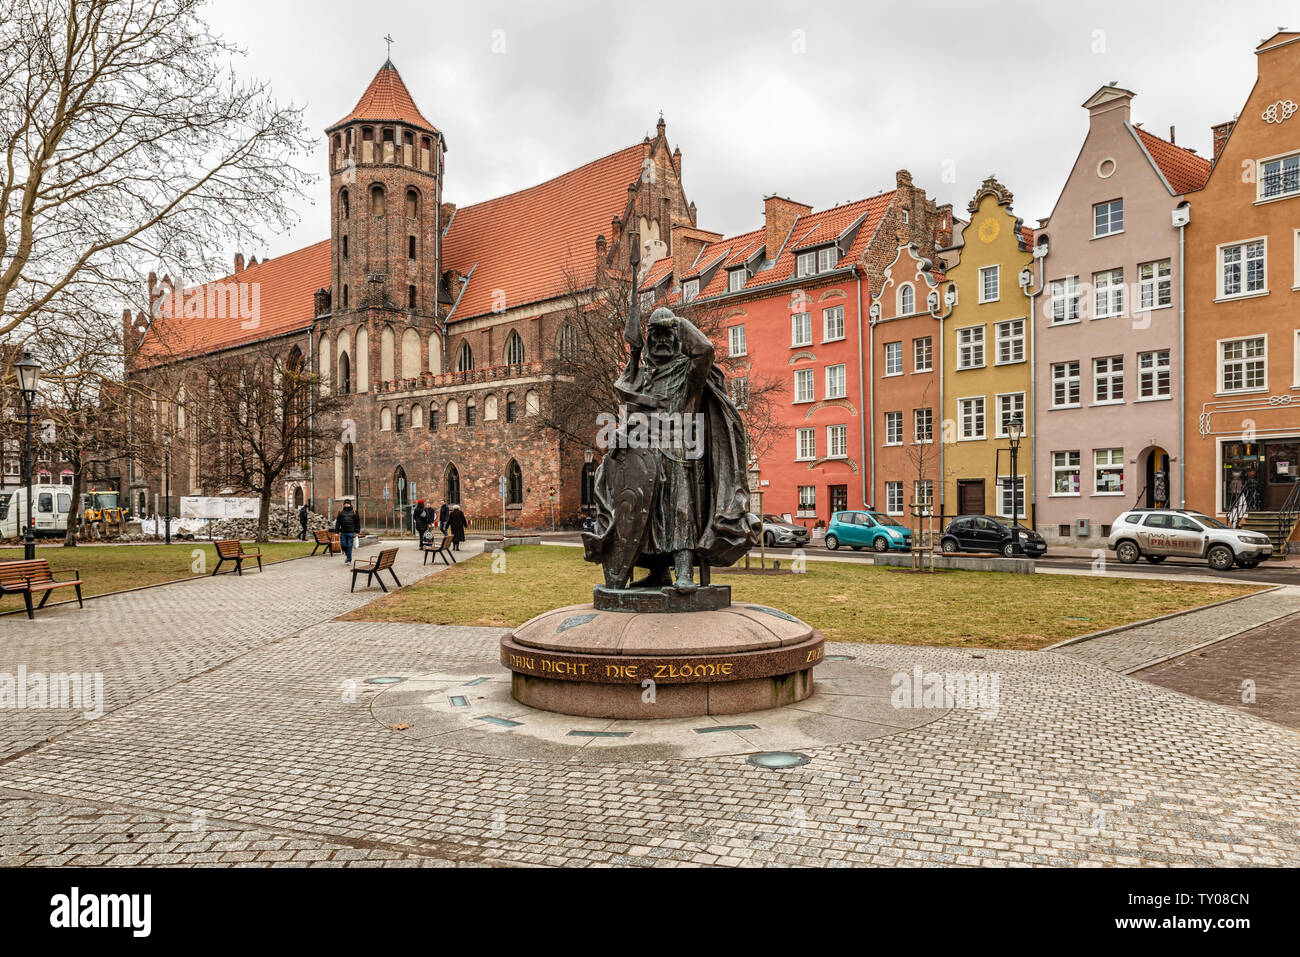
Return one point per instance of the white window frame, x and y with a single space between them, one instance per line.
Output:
804 376
736 336
1000 425
1110 217
1221 251
1108 294
1064 293
829 313
985 272
966 350
690 290
927 352
1112 377
1155 291
1260 196
894 494
1108 466
903 308
801 436
1005 499
807 507
920 417
1152 374
1295 374
837 436
800 322
831 375
1076 377
827 257
978 415
741 274
899 357
806 264
1000 336
923 492
1222 365
1066 467
894 428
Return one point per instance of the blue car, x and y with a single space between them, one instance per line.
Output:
873 530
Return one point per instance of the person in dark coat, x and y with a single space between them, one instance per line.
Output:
347 523
457 522
443 514
302 520
423 518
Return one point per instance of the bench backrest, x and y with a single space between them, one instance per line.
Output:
228 548
386 559
323 536
18 574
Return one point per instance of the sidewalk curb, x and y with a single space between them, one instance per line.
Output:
1205 644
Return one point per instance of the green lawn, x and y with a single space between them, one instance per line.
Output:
848 602
106 568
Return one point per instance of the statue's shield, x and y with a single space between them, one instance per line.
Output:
632 477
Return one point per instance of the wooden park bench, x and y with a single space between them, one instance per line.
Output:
371 569
430 549
232 550
327 540
29 577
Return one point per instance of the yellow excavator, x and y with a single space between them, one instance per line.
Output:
101 512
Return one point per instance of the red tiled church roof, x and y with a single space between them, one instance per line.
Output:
387 98
523 244
1183 169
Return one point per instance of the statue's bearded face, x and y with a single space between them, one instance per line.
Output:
663 344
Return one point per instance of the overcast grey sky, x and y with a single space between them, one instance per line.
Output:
820 102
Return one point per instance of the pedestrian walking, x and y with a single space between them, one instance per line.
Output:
457 521
423 518
443 514
347 523
302 521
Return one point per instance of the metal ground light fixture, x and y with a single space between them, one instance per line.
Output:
29 377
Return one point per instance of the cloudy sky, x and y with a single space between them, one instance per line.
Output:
820 101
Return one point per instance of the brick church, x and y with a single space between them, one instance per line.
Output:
439 324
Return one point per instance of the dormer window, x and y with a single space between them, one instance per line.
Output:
736 279
817 260
806 264
827 258
690 289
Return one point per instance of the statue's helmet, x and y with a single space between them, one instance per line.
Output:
662 325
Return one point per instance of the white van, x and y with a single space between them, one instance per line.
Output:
51 509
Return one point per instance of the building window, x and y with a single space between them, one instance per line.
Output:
893 358
923 425
515 476
514 349
1242 364
451 486
471 412
410 247
1108 218
736 279
399 420
906 300
832 323
805 264
1155 285
970 347
464 358
971 417
1153 374
805 444
1010 337
345 247
923 354
1009 503
739 389
827 258
376 200
1280 177
1065 300
412 202
923 492
410 297
510 407
1241 269
801 329
345 295
990 277
690 289
1065 473
1108 294
568 343
835 381
803 385
893 428
1011 405
1065 385
1108 471
736 340
807 500
433 418
1108 379
894 498
837 441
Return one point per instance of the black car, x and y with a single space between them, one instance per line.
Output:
983 533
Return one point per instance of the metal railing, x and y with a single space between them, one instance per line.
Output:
1239 510
1286 516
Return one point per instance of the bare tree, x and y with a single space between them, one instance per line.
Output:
265 416
126 137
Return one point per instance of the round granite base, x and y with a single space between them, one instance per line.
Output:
585 661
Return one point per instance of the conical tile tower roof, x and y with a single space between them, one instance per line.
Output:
387 98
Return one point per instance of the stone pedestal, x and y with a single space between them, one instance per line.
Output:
654 653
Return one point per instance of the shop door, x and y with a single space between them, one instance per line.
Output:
970 496
1282 471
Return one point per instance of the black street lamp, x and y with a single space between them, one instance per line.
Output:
29 376
1015 428
167 486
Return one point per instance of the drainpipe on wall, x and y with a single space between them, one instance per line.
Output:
871 404
1033 392
862 393
1182 360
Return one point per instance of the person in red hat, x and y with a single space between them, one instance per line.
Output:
423 518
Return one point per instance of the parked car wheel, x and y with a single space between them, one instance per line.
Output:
1221 558
1154 559
769 539
1010 550
1248 562
832 542
949 545
880 544
1128 552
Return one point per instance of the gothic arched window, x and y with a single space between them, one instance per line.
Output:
464 358
345 373
377 200
345 205
906 300
510 407
568 344
514 350
451 486
515 479
412 204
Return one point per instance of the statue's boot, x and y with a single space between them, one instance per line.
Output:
655 578
682 562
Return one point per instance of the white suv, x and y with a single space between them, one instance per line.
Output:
1157 533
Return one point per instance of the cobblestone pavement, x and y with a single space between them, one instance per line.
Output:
1132 649
281 745
1257 672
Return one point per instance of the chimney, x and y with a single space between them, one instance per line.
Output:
779 215
1220 134
943 226
687 241
1171 136
252 262
239 262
